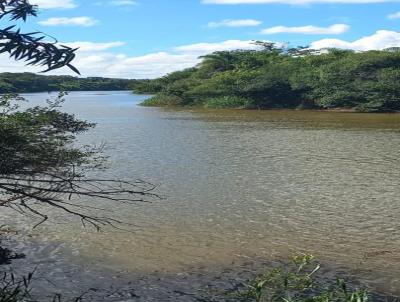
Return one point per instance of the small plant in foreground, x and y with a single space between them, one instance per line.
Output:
299 283
13 289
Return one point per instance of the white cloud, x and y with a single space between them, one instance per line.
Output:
154 64
120 3
93 47
205 48
48 4
394 16
292 2
235 23
95 59
335 29
123 2
75 21
380 40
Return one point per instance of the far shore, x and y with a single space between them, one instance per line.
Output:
338 110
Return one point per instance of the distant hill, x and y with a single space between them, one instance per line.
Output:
30 82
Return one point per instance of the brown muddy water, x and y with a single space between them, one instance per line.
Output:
238 186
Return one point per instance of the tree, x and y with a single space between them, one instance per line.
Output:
274 77
268 46
39 165
30 82
40 168
218 61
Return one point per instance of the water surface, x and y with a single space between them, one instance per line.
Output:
240 185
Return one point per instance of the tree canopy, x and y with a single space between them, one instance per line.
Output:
275 77
30 82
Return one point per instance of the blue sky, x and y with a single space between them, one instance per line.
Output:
148 38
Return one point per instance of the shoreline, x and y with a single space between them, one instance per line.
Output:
336 110
193 284
73 276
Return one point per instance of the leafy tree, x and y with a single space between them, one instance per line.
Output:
384 92
218 61
30 82
39 165
277 77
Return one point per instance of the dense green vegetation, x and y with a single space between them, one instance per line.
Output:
284 78
300 281
30 82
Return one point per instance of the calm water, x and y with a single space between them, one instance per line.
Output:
241 184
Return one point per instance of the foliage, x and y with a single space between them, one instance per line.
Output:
228 102
299 282
162 100
40 166
29 82
275 77
31 47
13 289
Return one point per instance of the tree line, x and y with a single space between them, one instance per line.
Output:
30 82
276 77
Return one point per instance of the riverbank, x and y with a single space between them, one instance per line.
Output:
171 102
194 284
174 102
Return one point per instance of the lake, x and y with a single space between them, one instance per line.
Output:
238 185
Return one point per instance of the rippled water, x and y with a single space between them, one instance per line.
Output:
242 184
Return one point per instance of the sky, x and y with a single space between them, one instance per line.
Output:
151 38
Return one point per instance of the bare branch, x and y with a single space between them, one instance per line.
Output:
40 168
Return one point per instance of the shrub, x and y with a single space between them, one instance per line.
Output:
162 100
13 289
373 106
299 282
227 102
